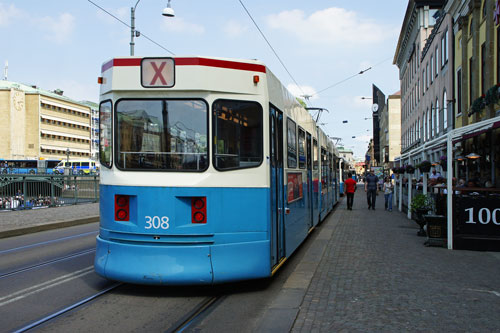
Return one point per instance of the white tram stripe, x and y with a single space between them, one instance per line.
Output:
18 295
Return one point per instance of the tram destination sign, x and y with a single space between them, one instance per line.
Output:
157 72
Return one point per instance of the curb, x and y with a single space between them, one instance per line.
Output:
50 226
282 313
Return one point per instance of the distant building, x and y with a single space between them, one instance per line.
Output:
390 130
347 155
94 129
41 124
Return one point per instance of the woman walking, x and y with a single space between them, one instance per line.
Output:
388 189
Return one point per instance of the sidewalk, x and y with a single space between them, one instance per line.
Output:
368 271
15 223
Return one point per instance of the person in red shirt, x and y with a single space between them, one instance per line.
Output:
349 189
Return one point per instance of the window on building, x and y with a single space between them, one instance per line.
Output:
423 81
444 48
470 81
483 67
425 121
291 143
432 69
445 112
427 76
437 116
459 91
436 64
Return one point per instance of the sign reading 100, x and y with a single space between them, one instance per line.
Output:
485 216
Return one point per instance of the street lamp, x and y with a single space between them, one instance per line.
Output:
168 11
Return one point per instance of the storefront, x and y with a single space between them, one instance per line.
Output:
466 163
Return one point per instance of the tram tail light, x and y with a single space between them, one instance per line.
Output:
122 211
199 210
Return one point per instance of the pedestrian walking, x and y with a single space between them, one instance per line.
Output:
371 189
349 189
388 190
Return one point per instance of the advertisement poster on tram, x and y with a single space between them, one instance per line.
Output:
294 186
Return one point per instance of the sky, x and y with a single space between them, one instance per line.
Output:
60 44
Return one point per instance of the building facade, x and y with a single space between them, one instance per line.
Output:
38 124
423 58
390 130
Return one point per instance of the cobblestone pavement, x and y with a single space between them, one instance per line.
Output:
376 275
13 223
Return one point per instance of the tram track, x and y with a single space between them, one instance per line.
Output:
25 247
48 262
198 311
66 309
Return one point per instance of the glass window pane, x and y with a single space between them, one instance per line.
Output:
302 149
315 153
158 134
292 143
105 134
237 134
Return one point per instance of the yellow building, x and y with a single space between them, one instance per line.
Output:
476 60
36 124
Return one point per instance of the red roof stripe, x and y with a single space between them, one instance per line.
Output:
191 62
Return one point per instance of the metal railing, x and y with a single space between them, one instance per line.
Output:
34 191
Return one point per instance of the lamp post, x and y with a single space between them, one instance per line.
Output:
168 11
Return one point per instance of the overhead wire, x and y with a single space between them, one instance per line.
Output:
127 25
272 48
350 77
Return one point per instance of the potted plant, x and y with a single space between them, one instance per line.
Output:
444 162
421 204
409 168
424 166
402 169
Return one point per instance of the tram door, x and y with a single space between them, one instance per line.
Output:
309 181
277 186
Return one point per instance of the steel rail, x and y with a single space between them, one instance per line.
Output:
66 309
194 314
24 269
48 242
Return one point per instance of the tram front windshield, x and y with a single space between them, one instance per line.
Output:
163 135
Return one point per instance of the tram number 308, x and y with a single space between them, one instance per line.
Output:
157 222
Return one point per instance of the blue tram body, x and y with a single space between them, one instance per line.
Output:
206 182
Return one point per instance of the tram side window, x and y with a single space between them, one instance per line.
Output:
315 153
105 134
292 143
324 167
237 134
162 135
302 148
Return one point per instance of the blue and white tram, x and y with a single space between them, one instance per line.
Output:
210 171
